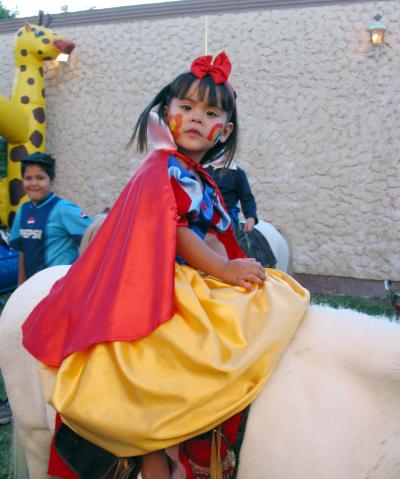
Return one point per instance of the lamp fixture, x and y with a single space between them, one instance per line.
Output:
63 57
377 32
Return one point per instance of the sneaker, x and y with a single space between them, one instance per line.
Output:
5 412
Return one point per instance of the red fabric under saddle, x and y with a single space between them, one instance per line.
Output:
194 454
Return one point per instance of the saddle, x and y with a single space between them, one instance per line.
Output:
255 245
216 451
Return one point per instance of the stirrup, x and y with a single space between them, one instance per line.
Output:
126 468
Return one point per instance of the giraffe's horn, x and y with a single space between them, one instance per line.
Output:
48 21
41 13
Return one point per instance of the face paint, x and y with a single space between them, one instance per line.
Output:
174 124
215 133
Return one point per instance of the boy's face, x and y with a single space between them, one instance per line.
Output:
37 183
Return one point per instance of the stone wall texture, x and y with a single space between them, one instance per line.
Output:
319 120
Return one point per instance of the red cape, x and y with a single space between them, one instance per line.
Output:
122 287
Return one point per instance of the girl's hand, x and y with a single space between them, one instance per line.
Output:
243 272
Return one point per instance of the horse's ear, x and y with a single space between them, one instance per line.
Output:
27 26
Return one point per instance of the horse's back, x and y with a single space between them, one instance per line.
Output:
332 407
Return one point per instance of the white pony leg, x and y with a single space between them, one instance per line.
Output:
332 408
20 373
19 466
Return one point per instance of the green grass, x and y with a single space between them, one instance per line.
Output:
3 299
372 306
5 440
5 431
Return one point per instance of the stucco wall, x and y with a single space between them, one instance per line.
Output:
319 118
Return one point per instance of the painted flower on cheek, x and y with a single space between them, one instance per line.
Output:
215 133
174 124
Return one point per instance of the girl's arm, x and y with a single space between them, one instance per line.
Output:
21 269
215 244
240 272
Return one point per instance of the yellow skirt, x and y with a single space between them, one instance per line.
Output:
205 364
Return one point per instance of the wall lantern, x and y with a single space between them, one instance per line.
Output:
377 31
63 57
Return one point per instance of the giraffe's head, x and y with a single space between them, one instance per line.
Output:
39 43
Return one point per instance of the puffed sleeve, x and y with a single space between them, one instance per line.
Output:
187 190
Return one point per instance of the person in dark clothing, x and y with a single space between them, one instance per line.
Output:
235 189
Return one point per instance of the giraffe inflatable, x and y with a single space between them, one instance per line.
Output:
23 117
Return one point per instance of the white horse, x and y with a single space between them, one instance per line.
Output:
330 411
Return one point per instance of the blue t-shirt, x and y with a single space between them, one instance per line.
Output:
48 233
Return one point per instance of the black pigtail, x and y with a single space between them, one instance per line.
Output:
140 129
231 143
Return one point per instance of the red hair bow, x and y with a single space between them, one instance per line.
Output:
219 70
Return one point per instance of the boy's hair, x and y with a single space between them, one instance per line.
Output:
44 160
218 95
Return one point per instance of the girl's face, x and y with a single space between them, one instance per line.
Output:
195 125
36 183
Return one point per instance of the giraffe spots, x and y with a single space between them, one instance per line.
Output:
41 71
22 68
30 81
19 33
18 152
16 191
24 99
46 41
39 114
40 52
11 217
36 138
24 52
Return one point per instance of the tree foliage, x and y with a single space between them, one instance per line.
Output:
7 13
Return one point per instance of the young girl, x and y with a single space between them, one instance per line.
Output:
163 329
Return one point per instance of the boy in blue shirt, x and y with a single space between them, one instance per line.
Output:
47 230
